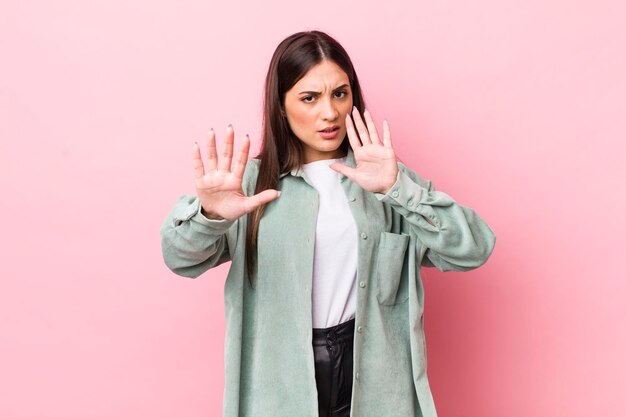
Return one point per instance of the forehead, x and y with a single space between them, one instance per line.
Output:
325 74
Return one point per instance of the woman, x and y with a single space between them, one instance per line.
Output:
326 232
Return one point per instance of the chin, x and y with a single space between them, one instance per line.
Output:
331 145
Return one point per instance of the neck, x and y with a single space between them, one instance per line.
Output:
336 155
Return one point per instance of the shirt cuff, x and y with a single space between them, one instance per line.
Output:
217 225
188 208
405 192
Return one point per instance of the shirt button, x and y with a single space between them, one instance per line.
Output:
394 194
353 199
359 329
364 235
357 375
410 202
362 284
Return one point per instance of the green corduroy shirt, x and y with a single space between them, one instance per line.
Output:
269 360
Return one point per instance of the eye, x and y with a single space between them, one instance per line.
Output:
305 99
343 92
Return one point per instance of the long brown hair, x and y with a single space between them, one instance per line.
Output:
281 150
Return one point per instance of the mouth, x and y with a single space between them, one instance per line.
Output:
330 132
329 129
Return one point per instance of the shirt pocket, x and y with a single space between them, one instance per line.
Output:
390 263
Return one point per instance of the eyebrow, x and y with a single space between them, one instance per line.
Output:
319 92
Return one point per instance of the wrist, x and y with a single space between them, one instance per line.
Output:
210 216
384 191
390 185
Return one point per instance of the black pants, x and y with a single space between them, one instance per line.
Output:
332 348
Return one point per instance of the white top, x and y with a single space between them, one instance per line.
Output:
335 257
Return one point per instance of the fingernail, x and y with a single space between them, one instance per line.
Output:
354 108
279 193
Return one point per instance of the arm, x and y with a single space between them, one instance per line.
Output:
190 242
194 240
456 237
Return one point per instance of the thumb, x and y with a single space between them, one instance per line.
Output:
261 198
343 169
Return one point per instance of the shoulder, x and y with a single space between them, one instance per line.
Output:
250 174
253 163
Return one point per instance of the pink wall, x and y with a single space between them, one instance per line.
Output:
514 108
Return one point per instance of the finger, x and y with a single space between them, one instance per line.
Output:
227 154
252 202
343 169
386 134
371 127
243 157
352 135
360 127
198 166
211 151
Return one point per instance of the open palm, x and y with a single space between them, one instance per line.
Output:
376 168
219 190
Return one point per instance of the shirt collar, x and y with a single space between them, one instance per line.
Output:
297 172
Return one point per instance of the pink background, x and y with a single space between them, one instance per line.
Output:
516 109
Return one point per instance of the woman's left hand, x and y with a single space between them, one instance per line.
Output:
376 168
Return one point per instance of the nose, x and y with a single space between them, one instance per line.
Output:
329 112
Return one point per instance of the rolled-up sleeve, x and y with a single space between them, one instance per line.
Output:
191 243
458 239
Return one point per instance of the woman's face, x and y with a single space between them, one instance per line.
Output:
320 99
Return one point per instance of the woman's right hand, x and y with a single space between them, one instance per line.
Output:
219 190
